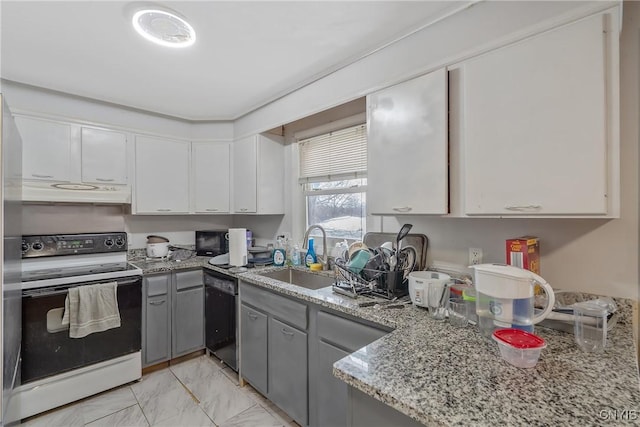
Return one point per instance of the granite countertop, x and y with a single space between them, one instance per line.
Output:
438 374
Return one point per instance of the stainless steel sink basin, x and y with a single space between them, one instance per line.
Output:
300 278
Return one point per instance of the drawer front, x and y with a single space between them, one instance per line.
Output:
188 279
346 333
287 310
157 285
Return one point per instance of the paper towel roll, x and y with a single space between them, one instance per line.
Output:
238 246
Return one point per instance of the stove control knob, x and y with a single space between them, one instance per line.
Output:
25 247
119 242
108 243
37 246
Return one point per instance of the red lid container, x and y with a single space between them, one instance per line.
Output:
518 338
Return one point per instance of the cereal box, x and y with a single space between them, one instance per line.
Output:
524 252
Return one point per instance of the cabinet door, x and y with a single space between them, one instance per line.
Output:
245 175
535 128
46 149
162 176
157 320
332 393
211 179
407 147
270 170
188 321
104 156
253 347
288 370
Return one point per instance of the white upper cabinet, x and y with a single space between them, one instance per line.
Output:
407 167
538 133
104 156
258 175
46 149
245 188
161 176
211 168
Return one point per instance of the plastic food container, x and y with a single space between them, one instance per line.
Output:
519 348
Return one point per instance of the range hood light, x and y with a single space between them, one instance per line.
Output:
163 28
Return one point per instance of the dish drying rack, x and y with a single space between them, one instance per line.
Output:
380 283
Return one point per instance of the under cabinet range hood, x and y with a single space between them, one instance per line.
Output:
67 192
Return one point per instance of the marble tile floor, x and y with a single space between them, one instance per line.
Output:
195 393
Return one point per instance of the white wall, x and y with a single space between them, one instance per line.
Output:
180 229
68 219
49 219
599 256
481 27
591 255
27 99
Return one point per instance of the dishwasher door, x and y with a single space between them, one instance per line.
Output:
221 292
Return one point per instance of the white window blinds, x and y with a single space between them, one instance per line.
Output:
334 156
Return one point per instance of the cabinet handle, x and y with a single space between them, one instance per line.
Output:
104 179
163 210
403 209
243 209
211 210
284 331
522 207
252 316
157 302
37 175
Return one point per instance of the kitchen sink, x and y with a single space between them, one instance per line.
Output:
304 279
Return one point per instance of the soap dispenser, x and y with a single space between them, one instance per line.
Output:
311 257
279 254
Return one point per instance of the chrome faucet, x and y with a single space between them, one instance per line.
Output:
324 260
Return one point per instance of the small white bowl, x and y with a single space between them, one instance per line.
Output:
519 348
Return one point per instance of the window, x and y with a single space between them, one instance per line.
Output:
333 168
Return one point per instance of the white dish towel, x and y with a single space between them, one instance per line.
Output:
91 308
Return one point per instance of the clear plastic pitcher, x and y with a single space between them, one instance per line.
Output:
505 298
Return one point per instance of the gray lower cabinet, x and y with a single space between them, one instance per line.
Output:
331 404
173 315
274 347
365 411
287 351
337 337
156 319
288 369
188 312
253 344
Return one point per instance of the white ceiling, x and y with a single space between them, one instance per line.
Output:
246 53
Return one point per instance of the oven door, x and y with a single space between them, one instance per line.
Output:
46 347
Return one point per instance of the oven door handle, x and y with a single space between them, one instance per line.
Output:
59 290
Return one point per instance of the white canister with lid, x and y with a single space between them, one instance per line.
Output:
419 282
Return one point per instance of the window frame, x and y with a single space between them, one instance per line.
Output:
306 183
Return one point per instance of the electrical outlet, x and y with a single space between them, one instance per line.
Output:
475 256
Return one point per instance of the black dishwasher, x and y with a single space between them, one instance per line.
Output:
221 294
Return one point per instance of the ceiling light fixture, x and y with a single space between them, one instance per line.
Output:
163 28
